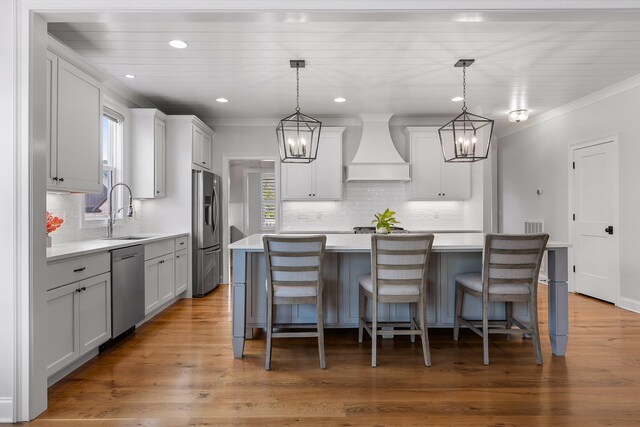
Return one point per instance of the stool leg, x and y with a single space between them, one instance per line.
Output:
485 332
374 332
508 308
456 319
320 326
412 319
533 319
267 363
362 314
425 336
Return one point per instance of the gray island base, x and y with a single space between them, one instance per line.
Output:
349 256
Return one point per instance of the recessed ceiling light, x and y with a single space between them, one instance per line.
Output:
130 76
457 99
339 99
178 44
223 100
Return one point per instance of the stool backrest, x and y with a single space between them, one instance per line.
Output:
513 260
400 259
294 261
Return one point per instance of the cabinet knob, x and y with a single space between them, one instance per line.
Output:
61 179
84 288
309 194
204 163
158 191
55 178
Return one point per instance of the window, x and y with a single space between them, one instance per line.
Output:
268 196
97 204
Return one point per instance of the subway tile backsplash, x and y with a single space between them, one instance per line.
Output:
361 200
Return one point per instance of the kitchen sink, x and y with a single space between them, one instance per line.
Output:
129 238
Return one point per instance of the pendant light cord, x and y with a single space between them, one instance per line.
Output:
464 88
297 88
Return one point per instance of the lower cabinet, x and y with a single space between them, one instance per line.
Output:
182 271
78 320
158 282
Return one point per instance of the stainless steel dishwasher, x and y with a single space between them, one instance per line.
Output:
127 288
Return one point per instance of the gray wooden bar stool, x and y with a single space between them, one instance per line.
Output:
399 266
294 276
511 264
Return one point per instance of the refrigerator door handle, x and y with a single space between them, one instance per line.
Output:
215 208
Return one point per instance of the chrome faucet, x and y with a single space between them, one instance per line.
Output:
112 215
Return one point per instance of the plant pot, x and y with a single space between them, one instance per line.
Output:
382 230
48 241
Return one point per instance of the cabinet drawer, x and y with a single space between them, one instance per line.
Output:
181 243
69 271
163 247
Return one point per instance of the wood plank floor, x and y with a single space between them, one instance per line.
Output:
178 369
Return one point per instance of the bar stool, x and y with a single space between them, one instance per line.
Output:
511 264
399 266
294 276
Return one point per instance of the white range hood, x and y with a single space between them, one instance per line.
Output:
377 158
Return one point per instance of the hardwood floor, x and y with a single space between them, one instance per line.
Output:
178 369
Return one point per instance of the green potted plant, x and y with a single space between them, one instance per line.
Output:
384 221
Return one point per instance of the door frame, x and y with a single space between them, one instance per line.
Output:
226 160
613 140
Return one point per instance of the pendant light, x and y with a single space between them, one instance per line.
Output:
466 138
298 134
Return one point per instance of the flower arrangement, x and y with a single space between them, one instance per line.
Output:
385 220
53 222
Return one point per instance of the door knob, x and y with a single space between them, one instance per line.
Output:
609 229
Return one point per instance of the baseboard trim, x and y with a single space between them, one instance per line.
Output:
6 410
629 304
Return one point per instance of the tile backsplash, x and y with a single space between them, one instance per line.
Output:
70 207
361 200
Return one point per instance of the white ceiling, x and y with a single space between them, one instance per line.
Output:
400 62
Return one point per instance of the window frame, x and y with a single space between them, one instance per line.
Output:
272 203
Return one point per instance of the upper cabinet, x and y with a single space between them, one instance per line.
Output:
147 153
202 141
320 179
431 177
74 114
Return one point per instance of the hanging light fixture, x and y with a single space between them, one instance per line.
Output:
467 137
298 134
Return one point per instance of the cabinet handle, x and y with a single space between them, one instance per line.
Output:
78 270
84 288
78 290
61 179
204 163
161 262
55 178
181 243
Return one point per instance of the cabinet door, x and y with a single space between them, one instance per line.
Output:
328 168
296 181
456 181
426 163
62 327
151 298
165 279
159 157
205 155
51 119
79 117
95 312
182 272
197 146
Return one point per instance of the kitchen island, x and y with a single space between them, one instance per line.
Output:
348 256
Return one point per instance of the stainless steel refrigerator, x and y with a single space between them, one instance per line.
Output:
206 231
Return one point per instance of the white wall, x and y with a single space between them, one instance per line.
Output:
537 158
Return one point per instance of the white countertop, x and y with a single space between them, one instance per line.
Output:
85 247
444 242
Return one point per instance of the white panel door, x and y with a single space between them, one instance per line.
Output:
328 168
456 181
151 298
166 286
426 161
159 157
182 272
62 327
79 114
95 312
296 181
593 197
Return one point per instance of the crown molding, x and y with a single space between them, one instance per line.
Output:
585 101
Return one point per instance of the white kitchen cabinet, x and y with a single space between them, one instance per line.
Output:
202 142
320 179
431 177
158 282
148 148
182 272
78 320
74 117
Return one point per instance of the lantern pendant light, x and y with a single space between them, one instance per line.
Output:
298 134
466 138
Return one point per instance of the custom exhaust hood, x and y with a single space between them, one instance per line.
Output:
377 158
